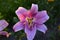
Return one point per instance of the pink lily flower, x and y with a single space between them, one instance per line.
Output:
31 20
3 25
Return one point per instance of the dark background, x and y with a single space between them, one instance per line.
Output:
7 12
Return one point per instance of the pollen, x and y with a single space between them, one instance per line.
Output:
29 20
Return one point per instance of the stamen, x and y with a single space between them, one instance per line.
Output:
29 21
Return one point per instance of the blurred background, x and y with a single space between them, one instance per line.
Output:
7 12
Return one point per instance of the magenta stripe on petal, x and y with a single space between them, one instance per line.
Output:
21 12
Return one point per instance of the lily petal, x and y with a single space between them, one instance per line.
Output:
18 26
21 12
4 33
41 17
3 24
30 33
42 28
34 8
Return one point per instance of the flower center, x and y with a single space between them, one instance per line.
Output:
29 20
